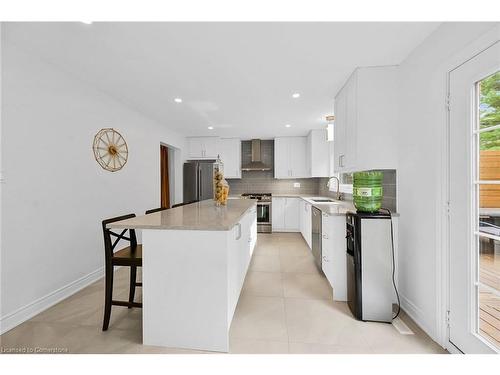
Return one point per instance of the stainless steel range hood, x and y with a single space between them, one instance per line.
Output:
256 164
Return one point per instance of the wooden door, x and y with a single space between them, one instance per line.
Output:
164 178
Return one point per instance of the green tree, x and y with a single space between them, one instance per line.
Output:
489 111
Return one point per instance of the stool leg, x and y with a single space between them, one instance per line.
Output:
133 276
108 297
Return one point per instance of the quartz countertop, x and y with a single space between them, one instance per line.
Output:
338 208
204 215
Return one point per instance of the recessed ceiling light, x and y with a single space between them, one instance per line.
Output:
210 128
287 125
295 95
178 100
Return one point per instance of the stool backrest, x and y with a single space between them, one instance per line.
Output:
183 203
153 210
113 236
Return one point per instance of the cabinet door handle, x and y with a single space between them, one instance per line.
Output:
325 236
239 231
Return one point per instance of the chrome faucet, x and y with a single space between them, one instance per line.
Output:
338 194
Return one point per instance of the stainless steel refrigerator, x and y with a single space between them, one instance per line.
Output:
198 180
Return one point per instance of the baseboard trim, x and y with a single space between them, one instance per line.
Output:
416 315
24 313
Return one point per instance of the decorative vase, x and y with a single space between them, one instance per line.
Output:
221 187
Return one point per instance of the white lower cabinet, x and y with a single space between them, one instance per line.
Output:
242 242
302 207
334 258
307 223
285 214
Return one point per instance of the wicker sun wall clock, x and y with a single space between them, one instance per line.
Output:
110 149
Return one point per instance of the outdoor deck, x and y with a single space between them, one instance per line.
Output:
489 304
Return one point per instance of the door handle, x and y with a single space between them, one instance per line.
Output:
199 184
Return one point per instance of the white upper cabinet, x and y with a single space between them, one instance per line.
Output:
290 157
281 169
230 154
202 147
318 152
365 121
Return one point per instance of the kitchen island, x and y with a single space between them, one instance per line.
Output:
195 258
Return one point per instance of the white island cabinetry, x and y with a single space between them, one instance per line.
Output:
195 259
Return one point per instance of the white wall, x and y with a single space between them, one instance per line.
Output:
1 167
55 194
422 146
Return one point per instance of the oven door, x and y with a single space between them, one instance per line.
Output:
263 212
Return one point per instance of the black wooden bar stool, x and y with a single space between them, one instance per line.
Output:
153 210
184 203
130 256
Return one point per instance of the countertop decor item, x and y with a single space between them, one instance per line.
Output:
221 187
110 149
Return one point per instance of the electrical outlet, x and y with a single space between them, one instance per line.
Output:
296 184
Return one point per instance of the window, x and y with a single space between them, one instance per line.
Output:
345 183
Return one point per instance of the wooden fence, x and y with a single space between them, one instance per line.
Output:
489 169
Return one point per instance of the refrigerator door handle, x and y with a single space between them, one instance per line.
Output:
199 183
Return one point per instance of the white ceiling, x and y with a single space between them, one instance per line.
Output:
237 77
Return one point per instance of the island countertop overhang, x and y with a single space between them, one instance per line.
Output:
204 215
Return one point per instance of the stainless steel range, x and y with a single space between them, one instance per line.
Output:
264 211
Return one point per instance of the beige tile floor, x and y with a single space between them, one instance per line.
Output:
286 306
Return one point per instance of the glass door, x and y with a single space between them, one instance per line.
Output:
474 204
487 207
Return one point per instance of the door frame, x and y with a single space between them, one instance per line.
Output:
443 254
164 177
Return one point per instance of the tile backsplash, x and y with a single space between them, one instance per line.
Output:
388 184
264 181
261 182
